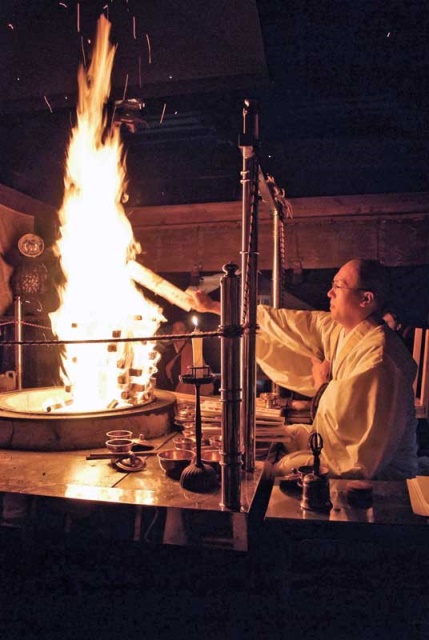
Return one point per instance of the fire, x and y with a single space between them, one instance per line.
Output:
99 300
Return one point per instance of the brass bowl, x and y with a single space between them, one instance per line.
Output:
119 433
173 461
182 442
211 457
119 445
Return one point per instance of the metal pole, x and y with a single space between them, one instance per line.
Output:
18 340
249 262
276 260
231 455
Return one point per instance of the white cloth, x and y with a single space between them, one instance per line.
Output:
366 416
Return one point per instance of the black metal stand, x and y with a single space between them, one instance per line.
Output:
197 476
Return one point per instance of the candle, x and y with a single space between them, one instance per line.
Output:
197 348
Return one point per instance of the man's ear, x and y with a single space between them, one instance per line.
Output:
367 298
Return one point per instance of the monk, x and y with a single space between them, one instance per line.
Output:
358 371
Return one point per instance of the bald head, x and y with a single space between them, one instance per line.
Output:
358 291
372 276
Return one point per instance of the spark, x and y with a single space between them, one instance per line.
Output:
10 25
125 87
78 17
83 51
47 102
63 4
149 48
388 34
134 27
163 113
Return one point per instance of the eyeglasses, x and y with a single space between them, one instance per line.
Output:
335 286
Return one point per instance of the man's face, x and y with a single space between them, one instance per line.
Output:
179 328
346 297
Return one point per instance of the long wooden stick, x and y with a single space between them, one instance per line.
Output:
107 456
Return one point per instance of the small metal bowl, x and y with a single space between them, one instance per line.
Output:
212 457
182 442
173 461
187 424
119 445
119 433
189 433
185 411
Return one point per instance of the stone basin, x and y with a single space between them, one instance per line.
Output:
25 425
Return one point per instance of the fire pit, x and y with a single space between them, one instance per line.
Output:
103 325
25 424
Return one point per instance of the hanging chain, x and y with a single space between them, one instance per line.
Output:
285 211
251 239
283 267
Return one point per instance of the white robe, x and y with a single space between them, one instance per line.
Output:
366 416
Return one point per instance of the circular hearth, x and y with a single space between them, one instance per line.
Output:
25 425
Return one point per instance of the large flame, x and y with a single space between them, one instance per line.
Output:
98 299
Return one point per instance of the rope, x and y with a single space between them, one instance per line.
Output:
156 338
25 324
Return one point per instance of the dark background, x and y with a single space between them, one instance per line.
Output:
342 89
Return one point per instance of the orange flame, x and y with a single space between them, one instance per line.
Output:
99 300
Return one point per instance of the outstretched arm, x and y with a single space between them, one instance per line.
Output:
203 303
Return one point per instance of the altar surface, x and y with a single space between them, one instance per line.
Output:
69 477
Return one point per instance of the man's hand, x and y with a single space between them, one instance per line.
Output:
321 372
203 303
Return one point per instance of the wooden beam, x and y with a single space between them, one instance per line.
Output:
323 233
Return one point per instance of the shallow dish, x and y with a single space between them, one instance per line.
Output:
173 461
